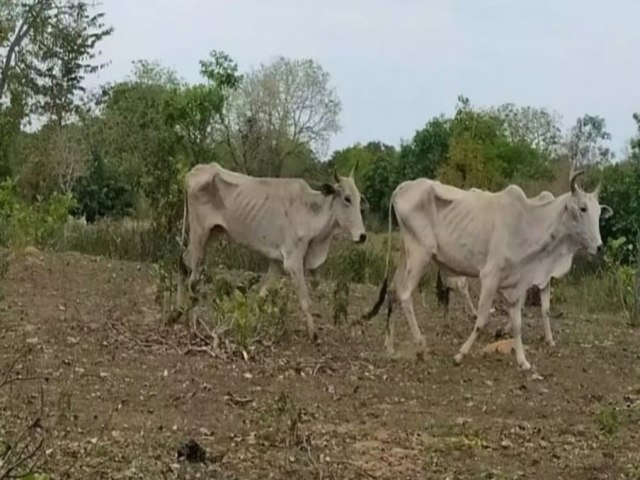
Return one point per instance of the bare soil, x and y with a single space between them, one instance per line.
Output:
117 397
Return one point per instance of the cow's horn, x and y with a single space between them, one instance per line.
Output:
335 175
573 180
355 167
598 188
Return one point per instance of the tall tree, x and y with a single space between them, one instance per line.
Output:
47 48
278 108
587 141
536 127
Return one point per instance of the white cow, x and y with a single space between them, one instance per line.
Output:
461 284
507 240
281 218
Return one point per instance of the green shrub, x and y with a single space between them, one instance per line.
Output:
102 192
247 317
37 224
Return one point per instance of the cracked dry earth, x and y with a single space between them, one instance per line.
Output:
120 397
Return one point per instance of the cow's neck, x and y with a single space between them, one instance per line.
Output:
549 240
324 220
546 230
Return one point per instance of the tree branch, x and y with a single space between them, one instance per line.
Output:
25 27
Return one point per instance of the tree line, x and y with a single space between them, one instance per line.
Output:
122 150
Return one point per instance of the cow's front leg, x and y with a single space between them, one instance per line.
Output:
515 313
294 267
488 289
266 281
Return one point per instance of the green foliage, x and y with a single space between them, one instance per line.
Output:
102 192
536 128
364 155
608 421
49 49
35 476
586 144
623 278
427 151
164 127
37 224
379 183
621 191
249 317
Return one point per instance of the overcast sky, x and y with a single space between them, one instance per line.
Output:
397 63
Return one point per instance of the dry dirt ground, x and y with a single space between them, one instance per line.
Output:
116 399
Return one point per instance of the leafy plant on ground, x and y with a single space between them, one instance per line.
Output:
244 317
623 277
351 265
608 421
23 224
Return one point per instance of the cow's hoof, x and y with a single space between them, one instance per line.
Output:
458 358
524 365
550 343
388 347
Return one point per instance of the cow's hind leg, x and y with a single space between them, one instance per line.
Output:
463 288
545 304
294 267
487 293
417 258
515 313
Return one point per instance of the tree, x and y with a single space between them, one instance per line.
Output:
427 151
586 142
363 155
48 47
54 158
277 109
159 126
102 192
379 181
471 160
635 142
535 127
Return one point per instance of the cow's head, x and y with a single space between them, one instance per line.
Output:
584 211
347 205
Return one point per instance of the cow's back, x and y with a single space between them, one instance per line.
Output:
260 213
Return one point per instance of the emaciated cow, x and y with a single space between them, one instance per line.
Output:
507 240
282 218
562 268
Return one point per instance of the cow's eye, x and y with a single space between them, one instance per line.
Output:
583 208
347 199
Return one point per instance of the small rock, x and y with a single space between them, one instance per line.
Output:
506 443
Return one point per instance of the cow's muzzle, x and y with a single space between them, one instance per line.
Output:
362 238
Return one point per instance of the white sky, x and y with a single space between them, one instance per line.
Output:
397 63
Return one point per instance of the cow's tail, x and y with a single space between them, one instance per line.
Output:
183 236
442 291
385 283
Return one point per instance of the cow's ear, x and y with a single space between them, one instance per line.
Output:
327 189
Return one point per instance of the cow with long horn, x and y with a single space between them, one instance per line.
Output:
504 238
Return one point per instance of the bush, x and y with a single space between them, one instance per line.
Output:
102 192
246 317
38 224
